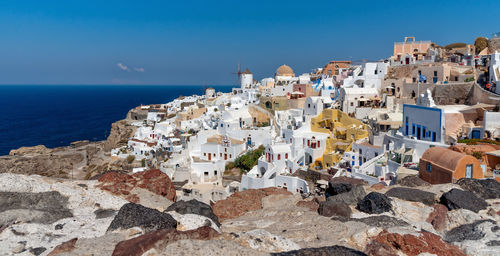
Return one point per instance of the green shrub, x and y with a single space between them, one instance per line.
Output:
247 161
477 155
263 124
469 79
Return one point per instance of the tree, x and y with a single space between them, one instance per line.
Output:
481 43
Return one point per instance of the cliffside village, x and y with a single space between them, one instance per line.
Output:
426 110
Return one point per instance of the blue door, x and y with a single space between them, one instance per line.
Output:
468 171
476 134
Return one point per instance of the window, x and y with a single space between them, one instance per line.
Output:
215 172
286 155
435 73
429 167
360 151
205 173
376 154
230 156
319 144
279 157
413 129
220 154
204 154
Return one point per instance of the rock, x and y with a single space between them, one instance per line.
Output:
152 180
438 218
194 207
38 250
135 215
456 199
311 205
493 243
120 132
35 150
244 201
424 242
326 250
104 213
379 249
341 185
412 181
465 232
64 247
485 189
374 203
192 221
160 239
59 226
45 207
378 186
264 241
332 208
351 197
210 248
411 194
381 221
21 247
352 181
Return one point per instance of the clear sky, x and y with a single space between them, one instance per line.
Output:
201 42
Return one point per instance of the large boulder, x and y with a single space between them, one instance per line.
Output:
412 181
351 197
64 247
122 184
135 215
485 189
331 208
341 185
465 232
244 201
44 207
411 194
160 239
326 250
194 207
408 244
456 199
374 203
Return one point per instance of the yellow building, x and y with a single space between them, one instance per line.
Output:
342 130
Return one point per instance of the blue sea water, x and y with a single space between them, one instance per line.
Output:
56 115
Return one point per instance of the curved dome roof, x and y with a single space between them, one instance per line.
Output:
284 70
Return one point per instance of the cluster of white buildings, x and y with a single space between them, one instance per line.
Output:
193 139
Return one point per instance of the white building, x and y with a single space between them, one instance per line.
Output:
495 70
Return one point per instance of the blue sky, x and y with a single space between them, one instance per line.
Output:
201 42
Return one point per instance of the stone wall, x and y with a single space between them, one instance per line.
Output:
443 94
259 115
480 95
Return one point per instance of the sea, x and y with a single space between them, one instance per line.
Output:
56 115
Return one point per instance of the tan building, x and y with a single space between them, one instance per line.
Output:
440 165
417 49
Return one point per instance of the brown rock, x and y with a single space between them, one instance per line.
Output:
160 239
122 184
244 201
413 245
379 249
438 217
352 181
378 186
311 205
64 247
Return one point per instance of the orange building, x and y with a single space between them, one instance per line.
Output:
440 165
417 49
334 67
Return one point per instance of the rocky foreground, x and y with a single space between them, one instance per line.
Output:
121 214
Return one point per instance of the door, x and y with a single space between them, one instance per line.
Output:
225 156
418 132
468 171
476 134
209 157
